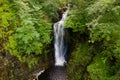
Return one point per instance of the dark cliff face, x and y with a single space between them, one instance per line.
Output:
54 73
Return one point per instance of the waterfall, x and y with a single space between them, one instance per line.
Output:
59 44
58 71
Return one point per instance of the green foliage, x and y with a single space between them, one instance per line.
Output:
99 20
6 23
104 31
32 34
99 70
74 22
83 50
32 26
25 30
50 7
78 62
77 18
99 6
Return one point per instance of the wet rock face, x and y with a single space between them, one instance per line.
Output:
54 73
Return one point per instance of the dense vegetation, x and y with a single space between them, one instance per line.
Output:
26 33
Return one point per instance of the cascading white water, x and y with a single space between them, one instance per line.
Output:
59 45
